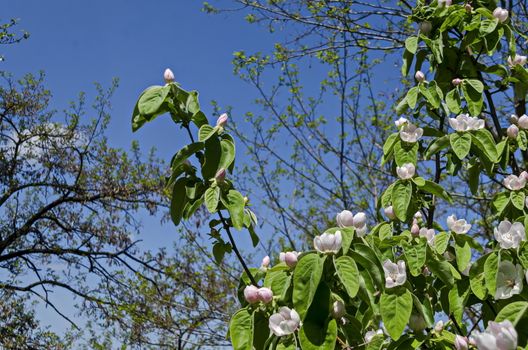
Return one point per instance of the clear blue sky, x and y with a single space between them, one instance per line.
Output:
78 43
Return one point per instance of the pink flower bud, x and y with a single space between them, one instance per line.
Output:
290 258
419 76
456 81
168 75
251 294
359 220
338 309
389 213
512 131
265 261
524 174
415 230
222 120
523 122
461 343
265 295
220 175
501 14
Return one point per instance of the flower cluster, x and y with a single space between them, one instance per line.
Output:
395 274
463 122
347 219
328 243
254 294
509 235
289 258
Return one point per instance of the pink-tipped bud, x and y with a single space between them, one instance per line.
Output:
338 309
523 122
456 81
461 343
524 174
500 14
222 120
513 119
389 212
220 175
289 258
439 326
512 131
168 75
265 261
265 295
251 294
418 215
415 230
468 8
419 76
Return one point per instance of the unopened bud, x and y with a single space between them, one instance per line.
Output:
417 322
461 343
418 215
445 3
420 76
360 219
168 75
501 14
389 212
265 261
415 230
513 119
222 120
456 81
425 27
439 326
523 122
468 8
265 295
246 200
220 175
251 294
512 131
289 258
338 309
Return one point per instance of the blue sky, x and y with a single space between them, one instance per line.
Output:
78 43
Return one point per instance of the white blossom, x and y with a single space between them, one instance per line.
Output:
265 295
401 122
463 122
222 120
509 280
517 59
498 336
395 274
461 343
500 14
406 171
509 235
514 183
348 219
289 258
251 294
420 76
512 131
457 226
328 243
439 326
389 212
429 234
265 262
410 132
345 219
284 322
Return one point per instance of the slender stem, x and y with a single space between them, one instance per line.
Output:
438 173
235 249
459 330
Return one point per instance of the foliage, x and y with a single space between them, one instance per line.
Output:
402 276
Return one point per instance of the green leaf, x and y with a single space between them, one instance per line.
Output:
212 196
192 105
401 198
437 145
437 190
461 144
389 143
442 270
474 177
513 312
205 132
523 250
411 44
178 200
475 85
441 242
235 204
491 268
463 252
261 330
458 296
453 101
477 278
277 280
415 255
405 153
319 332
396 309
185 153
306 279
367 258
412 96
241 330
517 199
473 97
152 99
487 26
406 65
228 154
199 119
348 274
484 141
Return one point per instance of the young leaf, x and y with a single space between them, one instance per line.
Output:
306 279
401 198
241 330
461 144
178 200
234 202
348 274
319 332
212 196
477 278
396 308
415 253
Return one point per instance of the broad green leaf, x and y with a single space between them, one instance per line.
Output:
474 178
277 280
396 309
441 269
152 99
185 153
491 268
523 251
306 279
211 158
487 26
405 153
205 132
452 20
477 278
261 331
484 141
411 44
228 154
212 197
192 104
389 143
415 253
178 200
463 253
348 274
412 96
199 119
441 242
453 101
461 144
406 65
401 198
437 190
513 312
319 332
437 145
241 330
517 199
500 202
458 296
367 258
235 204
419 181
473 98
475 85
